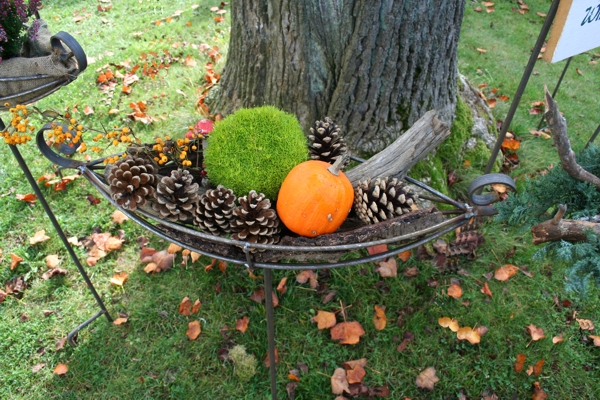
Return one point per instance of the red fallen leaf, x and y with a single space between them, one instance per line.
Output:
486 290
210 266
510 144
519 362
126 89
281 287
380 248
491 103
404 256
537 368
29 198
93 200
504 97
538 392
347 332
242 324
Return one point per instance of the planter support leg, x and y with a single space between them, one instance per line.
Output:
268 278
61 234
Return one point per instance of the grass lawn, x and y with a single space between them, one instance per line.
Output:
150 356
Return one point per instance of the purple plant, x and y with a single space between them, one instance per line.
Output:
14 16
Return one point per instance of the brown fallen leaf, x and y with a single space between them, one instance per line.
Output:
427 379
347 332
356 374
60 343
585 324
379 319
308 275
351 364
267 360
404 256
519 362
537 368
242 324
14 261
194 330
486 290
119 278
185 307
454 290
120 321
37 367
596 340
2 295
535 332
54 271
52 261
388 268
538 392
448 322
118 217
174 248
505 272
281 287
196 306
60 369
38 237
469 334
339 383
324 319
557 339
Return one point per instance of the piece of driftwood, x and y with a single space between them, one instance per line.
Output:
558 128
413 145
405 224
562 229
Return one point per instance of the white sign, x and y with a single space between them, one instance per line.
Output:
576 29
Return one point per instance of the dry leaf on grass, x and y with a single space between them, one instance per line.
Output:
347 332
469 334
119 278
505 272
535 332
14 261
242 324
596 340
339 383
448 322
324 319
455 291
118 217
308 275
120 321
388 268
427 379
585 324
557 339
356 374
519 362
486 290
185 307
60 369
194 330
379 318
38 237
52 261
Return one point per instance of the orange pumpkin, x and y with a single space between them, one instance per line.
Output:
315 198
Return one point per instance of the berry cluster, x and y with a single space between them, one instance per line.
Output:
17 131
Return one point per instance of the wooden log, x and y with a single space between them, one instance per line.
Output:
562 229
399 157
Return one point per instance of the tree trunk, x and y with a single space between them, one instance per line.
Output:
374 67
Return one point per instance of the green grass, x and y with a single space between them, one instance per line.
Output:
150 357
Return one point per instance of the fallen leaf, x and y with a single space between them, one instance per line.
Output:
404 256
387 269
193 330
557 339
60 369
455 291
242 324
537 368
480 50
281 287
505 272
54 271
119 321
355 375
427 379
14 261
596 340
339 383
29 198
196 306
538 392
347 332
510 144
185 307
258 295
486 290
37 367
578 71
410 272
2 295
38 237
448 322
519 362
113 243
267 360
379 318
585 324
87 110
163 260
324 319
151 267
481 330
119 278
491 103
380 248
146 254
467 333
351 364
174 248
535 332
118 217
308 275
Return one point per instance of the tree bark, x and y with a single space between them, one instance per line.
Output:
562 229
374 67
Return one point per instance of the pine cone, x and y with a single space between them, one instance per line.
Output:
132 182
383 199
176 196
215 211
255 221
326 142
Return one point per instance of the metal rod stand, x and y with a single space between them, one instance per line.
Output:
63 237
523 84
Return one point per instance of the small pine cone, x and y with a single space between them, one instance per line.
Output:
383 199
326 143
215 211
255 221
176 196
132 181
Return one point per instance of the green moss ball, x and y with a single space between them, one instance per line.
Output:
254 148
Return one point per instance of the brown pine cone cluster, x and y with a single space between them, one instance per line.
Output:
254 220
177 196
132 182
383 199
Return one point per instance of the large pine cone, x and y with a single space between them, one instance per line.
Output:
132 181
255 221
326 143
177 196
215 211
383 199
